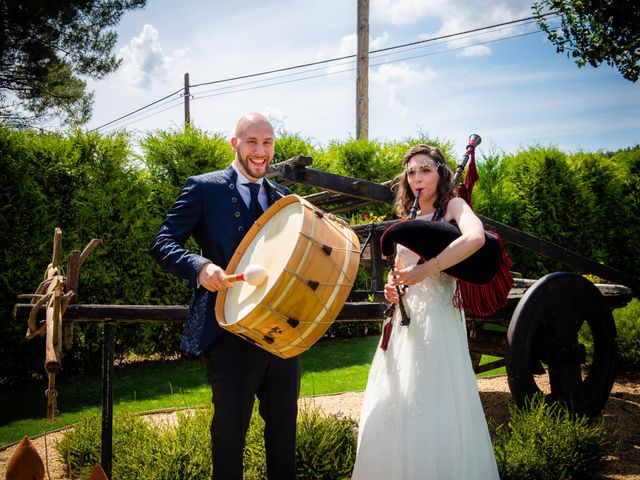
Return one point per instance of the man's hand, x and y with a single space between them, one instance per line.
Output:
213 278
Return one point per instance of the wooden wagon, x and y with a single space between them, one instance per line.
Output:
536 334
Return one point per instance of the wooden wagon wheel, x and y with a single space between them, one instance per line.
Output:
544 330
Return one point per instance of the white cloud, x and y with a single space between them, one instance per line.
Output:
398 80
144 62
401 72
399 12
276 116
452 13
397 102
476 51
444 17
349 44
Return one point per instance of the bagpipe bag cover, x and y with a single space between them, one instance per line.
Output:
427 239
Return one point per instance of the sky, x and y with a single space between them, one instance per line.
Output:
507 84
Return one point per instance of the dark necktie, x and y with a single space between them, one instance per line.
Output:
255 209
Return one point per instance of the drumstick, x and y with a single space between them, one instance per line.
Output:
254 275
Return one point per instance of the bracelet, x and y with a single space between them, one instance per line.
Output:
436 263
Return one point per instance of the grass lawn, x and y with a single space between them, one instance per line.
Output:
329 367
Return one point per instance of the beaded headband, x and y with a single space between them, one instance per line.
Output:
423 161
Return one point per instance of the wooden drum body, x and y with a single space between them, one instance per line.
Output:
311 258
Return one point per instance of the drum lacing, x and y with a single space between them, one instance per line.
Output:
314 284
320 214
322 246
289 319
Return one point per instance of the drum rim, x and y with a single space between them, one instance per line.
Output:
244 244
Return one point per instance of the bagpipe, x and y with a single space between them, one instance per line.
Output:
484 278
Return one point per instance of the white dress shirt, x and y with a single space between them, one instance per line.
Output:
244 190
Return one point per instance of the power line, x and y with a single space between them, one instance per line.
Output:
256 87
350 62
139 115
146 116
137 110
331 60
137 118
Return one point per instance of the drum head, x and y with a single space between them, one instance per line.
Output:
271 248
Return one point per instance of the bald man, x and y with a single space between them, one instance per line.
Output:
216 209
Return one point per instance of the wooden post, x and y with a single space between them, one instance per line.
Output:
107 397
73 272
187 96
362 80
377 264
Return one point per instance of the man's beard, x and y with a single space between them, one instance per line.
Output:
246 166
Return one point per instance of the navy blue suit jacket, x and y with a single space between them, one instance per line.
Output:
211 209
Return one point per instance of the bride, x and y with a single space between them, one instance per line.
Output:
422 418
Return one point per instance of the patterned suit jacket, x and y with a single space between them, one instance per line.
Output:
211 209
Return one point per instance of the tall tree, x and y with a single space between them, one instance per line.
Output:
47 47
596 31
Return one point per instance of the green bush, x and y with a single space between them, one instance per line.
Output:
325 448
134 446
627 320
586 202
628 326
90 187
95 186
545 442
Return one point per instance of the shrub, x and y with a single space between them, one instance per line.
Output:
628 326
627 320
134 442
326 447
183 450
545 442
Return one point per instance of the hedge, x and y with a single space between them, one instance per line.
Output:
117 189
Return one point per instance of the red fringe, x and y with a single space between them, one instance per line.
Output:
486 299
386 334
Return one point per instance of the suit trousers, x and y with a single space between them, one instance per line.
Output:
239 371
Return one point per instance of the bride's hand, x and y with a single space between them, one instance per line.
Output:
391 293
410 275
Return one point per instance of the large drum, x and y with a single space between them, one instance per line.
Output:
311 259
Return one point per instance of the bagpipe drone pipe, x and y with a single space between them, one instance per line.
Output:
484 277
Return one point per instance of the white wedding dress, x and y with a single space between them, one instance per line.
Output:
422 418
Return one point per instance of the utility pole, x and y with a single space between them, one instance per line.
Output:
187 96
362 76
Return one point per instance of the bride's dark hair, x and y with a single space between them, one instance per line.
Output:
444 192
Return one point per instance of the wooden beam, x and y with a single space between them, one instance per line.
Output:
171 313
352 187
300 161
357 308
554 251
